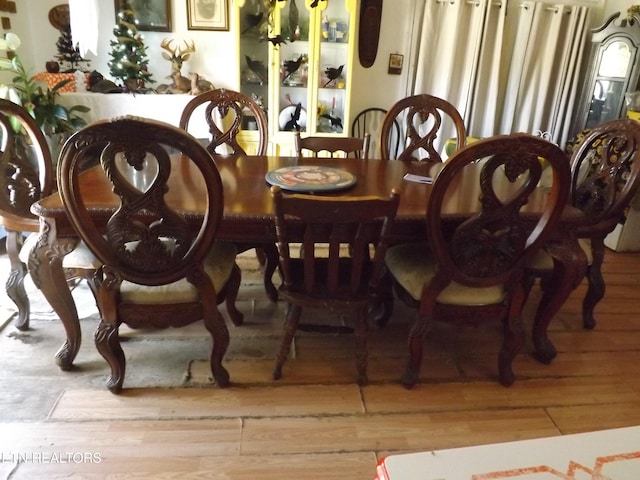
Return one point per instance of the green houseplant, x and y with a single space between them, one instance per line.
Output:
39 100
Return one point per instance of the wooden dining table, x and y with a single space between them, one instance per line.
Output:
248 218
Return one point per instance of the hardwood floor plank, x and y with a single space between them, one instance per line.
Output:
150 403
395 432
459 396
584 418
114 439
359 466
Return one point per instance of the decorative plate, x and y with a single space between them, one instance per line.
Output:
59 16
309 178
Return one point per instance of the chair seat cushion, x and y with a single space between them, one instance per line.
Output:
218 265
79 258
542 261
412 267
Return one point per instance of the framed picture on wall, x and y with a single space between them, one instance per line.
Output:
208 14
152 15
395 64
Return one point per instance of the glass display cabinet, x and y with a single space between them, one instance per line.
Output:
295 60
613 71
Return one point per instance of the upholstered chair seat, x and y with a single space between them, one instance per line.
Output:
218 264
412 268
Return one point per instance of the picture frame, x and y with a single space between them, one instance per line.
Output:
152 15
208 15
395 64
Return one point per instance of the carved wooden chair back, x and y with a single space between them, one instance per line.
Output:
425 123
27 176
605 173
227 112
473 272
605 177
332 146
370 121
161 268
335 271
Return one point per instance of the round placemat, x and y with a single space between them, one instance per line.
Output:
310 178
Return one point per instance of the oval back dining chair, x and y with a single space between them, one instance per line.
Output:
227 113
370 121
605 177
162 267
332 146
425 123
335 272
472 273
28 175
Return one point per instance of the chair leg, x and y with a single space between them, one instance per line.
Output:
512 344
416 341
108 345
361 345
231 294
291 325
596 288
271 263
15 282
215 325
383 309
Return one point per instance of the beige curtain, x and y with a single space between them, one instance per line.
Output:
506 65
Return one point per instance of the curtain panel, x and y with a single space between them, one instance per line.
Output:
507 65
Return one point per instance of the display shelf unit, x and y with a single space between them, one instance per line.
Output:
304 81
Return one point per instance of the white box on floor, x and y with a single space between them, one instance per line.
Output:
607 454
626 236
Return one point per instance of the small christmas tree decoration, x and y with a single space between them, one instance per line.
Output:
128 55
68 53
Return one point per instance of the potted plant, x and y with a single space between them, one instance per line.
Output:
56 121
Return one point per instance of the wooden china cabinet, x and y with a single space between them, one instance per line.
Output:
295 60
614 70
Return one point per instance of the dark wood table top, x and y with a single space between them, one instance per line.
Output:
248 211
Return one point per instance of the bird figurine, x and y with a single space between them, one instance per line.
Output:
257 67
252 20
292 124
276 41
293 19
291 66
332 73
336 122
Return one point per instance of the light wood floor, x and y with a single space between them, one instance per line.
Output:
316 423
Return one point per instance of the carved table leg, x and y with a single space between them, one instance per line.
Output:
271 264
45 267
570 264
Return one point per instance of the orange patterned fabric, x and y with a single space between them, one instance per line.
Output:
52 79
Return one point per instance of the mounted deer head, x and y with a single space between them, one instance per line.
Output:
177 58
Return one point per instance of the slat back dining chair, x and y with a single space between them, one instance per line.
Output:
473 273
225 112
162 268
332 147
335 272
425 122
28 175
605 177
370 121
